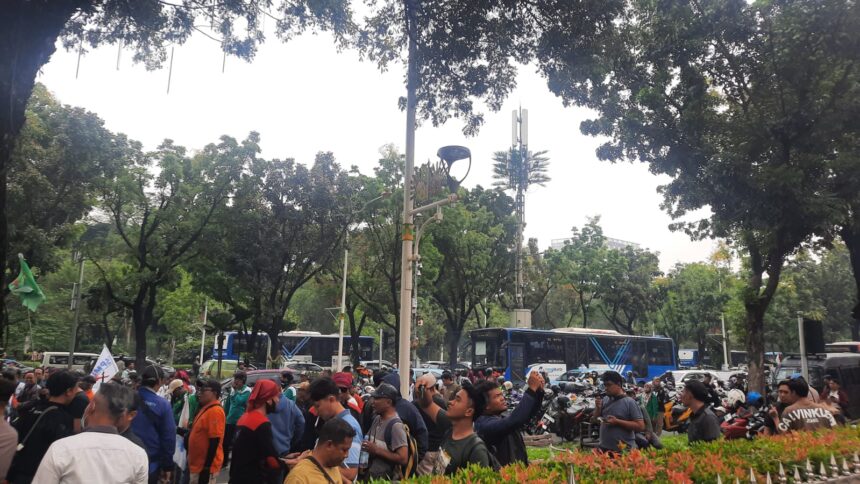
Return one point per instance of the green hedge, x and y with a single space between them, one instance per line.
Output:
728 459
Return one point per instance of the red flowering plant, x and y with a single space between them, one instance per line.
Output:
728 459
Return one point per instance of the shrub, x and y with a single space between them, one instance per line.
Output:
728 459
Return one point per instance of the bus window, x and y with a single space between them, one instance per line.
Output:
487 351
660 353
575 352
605 350
543 349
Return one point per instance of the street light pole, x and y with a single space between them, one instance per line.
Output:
726 362
342 305
403 365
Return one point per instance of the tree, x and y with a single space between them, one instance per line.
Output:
738 102
61 156
845 169
581 264
285 224
629 294
179 309
831 281
161 218
692 303
31 29
474 258
376 255
517 173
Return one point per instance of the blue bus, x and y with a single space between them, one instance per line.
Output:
519 351
309 346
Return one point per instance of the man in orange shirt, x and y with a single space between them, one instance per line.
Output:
205 452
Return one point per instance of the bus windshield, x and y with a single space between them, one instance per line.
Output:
487 351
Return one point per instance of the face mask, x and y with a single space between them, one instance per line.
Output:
271 407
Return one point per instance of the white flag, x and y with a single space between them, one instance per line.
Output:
104 369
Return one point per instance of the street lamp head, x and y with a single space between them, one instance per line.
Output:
450 154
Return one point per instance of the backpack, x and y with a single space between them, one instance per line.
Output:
407 470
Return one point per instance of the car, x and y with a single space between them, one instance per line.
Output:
253 376
9 364
571 375
210 368
374 364
441 365
121 361
312 370
417 372
60 359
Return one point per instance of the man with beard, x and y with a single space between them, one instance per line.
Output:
255 460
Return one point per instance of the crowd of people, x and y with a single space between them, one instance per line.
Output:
633 416
342 427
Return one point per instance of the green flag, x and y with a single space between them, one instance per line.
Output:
25 287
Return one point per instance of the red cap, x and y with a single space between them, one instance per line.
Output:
342 379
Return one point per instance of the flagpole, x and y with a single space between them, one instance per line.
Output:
203 339
79 257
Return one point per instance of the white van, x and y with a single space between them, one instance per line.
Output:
60 359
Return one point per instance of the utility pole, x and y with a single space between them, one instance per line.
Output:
726 362
804 362
518 172
78 257
342 315
403 345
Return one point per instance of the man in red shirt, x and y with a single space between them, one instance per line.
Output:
205 452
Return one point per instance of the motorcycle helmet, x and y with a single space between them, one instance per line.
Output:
734 398
508 385
754 398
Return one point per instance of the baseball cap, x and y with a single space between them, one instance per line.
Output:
342 379
386 390
174 385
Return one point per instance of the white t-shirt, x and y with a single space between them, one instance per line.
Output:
91 457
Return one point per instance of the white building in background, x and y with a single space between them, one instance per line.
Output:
618 244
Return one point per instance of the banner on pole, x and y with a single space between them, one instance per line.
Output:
104 369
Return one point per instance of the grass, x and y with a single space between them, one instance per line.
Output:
671 443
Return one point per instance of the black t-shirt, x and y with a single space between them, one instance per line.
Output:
54 425
78 405
435 430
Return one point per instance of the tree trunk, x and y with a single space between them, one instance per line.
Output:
755 348
700 346
139 323
28 34
106 328
452 342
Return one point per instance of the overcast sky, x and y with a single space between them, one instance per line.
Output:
304 97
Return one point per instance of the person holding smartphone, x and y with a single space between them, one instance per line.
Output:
619 416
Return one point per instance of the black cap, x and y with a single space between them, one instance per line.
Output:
386 390
60 382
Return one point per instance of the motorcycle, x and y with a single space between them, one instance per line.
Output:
736 425
676 416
